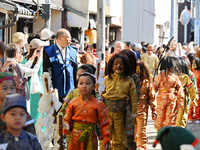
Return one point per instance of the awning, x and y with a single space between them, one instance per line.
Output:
53 5
15 9
14 12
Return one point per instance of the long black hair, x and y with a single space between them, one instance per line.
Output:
184 66
195 62
144 71
167 64
126 64
132 58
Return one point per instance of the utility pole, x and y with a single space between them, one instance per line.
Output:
197 9
48 20
185 30
100 28
172 19
196 24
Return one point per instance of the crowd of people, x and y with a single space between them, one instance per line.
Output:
136 76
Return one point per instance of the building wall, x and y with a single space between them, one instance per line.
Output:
138 20
56 22
161 22
79 5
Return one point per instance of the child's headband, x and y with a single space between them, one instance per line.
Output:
87 73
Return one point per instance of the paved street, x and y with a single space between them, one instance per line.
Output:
151 133
195 129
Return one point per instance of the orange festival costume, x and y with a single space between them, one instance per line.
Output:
82 116
169 89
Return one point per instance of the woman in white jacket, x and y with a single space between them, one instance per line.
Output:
20 71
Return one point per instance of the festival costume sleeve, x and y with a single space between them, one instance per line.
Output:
103 121
179 93
156 83
193 78
68 115
133 97
151 94
191 89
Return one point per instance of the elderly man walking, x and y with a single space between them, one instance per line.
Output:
60 62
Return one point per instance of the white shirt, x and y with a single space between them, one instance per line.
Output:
62 50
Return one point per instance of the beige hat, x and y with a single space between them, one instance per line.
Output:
46 34
35 43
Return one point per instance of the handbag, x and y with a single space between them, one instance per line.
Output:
35 86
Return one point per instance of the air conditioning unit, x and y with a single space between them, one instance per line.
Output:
181 1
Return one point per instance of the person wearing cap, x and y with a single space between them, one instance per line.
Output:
46 35
29 39
151 59
36 46
60 62
7 87
15 115
20 71
174 138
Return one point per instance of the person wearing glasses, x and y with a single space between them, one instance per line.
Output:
60 62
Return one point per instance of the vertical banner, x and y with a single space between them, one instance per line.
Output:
196 31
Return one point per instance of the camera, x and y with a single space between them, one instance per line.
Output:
38 51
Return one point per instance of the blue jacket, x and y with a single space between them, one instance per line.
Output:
62 73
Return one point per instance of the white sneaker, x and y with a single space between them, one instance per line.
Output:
190 121
197 121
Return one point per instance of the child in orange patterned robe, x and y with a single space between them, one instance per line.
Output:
169 89
146 99
83 113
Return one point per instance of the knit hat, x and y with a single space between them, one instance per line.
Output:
6 76
46 34
171 138
14 100
35 43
